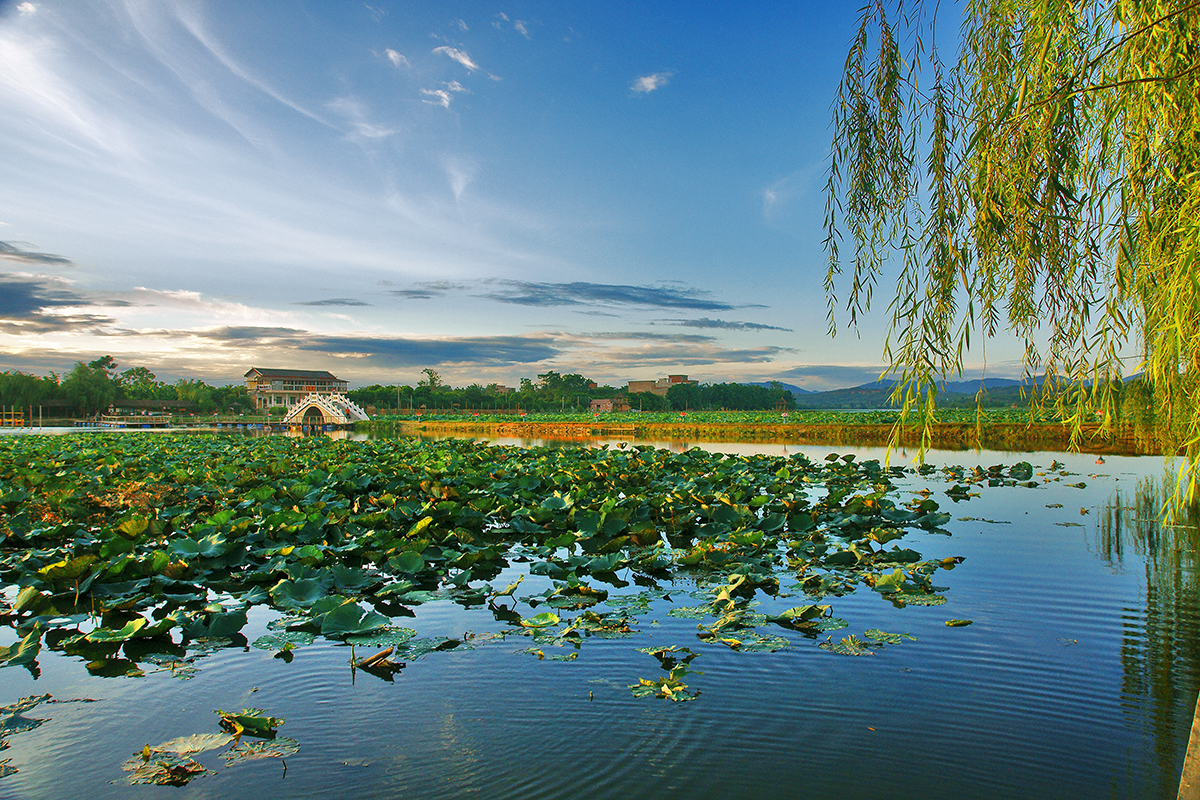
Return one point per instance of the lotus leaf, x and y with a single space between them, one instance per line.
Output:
671 687
876 635
348 618
848 646
890 583
909 599
754 642
542 620
249 722
281 747
278 641
23 653
215 622
167 771
384 637
541 655
196 743
691 612
133 527
13 719
417 648
123 635
293 594
806 616
28 599
407 563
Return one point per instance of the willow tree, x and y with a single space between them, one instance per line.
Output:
1043 183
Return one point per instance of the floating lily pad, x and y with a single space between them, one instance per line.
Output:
249 722
243 751
416 648
848 646
165 771
876 635
384 637
753 642
691 612
918 599
13 719
542 620
276 641
670 687
543 656
196 743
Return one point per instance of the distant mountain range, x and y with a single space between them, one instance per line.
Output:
791 387
997 392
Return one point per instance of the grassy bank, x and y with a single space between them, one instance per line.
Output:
990 435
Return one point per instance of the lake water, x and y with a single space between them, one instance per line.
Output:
1077 678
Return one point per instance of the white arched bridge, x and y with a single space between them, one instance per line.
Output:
333 408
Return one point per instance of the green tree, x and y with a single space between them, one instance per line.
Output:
685 396
1045 183
23 391
88 386
139 383
202 396
648 401
432 379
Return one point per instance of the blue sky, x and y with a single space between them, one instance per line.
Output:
622 190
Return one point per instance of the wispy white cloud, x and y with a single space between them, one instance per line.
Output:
457 55
26 9
436 97
460 174
442 97
32 82
520 25
783 199
649 83
397 58
354 113
377 13
195 26
462 25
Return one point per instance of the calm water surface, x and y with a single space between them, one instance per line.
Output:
1077 678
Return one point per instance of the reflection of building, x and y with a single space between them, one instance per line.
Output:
660 386
269 388
607 404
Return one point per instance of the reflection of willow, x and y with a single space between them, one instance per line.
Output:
1161 656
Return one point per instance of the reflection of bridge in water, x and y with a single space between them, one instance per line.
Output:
332 409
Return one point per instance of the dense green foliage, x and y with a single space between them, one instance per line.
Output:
554 392
730 396
1047 183
551 392
120 548
91 388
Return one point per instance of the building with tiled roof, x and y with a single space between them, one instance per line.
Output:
270 388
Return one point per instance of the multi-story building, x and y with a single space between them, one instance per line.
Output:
658 387
270 388
607 405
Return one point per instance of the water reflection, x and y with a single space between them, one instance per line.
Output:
1161 668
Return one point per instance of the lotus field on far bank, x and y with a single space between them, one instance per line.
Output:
743 418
